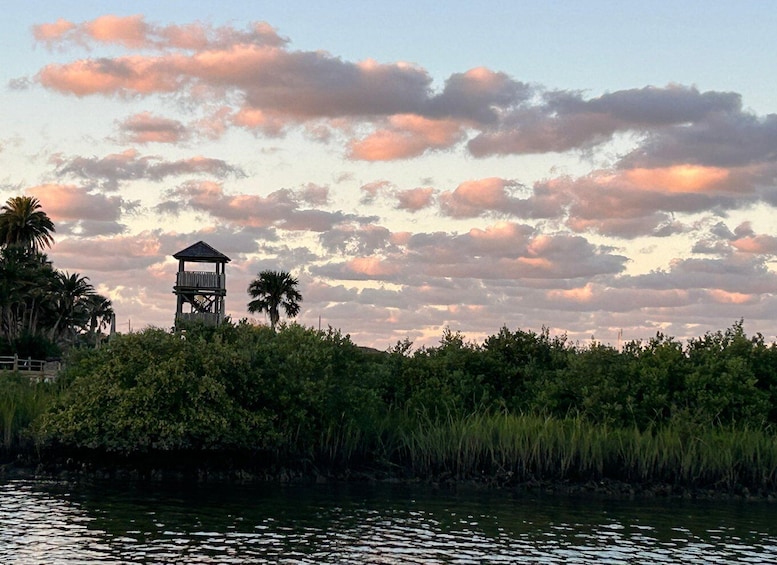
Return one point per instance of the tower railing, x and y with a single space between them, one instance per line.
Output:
200 279
207 318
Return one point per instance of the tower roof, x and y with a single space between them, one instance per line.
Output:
201 251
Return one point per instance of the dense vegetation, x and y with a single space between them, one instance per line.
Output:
43 311
520 406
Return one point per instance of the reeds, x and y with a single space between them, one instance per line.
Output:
21 401
523 447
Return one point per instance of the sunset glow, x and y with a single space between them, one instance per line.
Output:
499 165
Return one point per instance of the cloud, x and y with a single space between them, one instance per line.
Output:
280 209
563 120
76 210
726 139
121 254
273 87
411 200
623 203
135 32
260 84
414 199
742 273
372 190
314 194
110 171
758 244
406 136
561 250
52 33
473 198
356 239
477 94
271 81
504 251
145 128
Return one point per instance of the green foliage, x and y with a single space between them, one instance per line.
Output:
41 308
21 402
506 447
34 346
519 361
231 387
273 290
23 223
149 391
520 405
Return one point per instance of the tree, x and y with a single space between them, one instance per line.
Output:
71 292
23 223
100 311
26 291
273 290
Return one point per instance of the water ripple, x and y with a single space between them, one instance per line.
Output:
48 522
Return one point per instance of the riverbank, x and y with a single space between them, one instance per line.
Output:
302 405
224 472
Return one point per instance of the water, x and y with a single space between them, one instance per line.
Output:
54 522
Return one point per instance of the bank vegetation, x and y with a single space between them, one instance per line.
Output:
520 407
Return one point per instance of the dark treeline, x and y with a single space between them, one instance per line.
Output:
43 311
518 407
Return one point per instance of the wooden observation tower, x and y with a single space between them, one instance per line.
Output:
200 294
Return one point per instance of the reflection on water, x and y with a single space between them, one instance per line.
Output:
50 522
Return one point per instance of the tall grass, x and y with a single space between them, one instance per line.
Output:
21 401
522 447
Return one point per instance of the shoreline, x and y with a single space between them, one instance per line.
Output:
603 488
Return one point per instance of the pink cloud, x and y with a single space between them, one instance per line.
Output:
129 31
472 198
633 202
68 202
679 178
414 199
372 190
406 136
502 238
145 128
256 119
50 34
579 294
123 76
135 32
280 209
501 252
110 254
77 211
723 297
759 244
476 96
371 267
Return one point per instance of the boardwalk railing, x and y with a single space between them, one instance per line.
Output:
35 368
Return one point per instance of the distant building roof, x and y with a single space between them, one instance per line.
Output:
201 251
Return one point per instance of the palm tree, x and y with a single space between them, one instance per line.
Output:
70 292
100 311
23 223
273 290
26 283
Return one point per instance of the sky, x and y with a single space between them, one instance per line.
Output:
606 170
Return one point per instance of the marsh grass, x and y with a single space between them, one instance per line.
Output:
529 447
21 401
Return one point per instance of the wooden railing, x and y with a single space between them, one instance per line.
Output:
200 279
207 318
31 367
